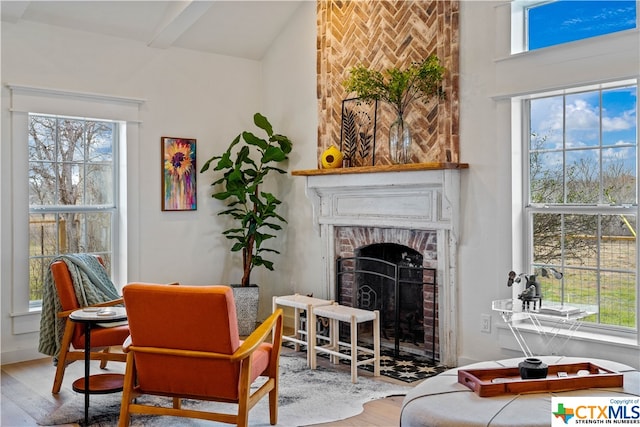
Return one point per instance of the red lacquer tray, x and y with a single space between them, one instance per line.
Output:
498 381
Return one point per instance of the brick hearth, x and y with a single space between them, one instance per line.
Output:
349 239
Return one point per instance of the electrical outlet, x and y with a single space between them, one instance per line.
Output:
485 323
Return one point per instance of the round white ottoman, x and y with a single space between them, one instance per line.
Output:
442 401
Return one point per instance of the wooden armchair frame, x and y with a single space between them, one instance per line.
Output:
73 332
271 327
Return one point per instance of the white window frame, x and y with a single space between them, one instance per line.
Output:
528 209
113 208
610 58
28 99
519 25
521 226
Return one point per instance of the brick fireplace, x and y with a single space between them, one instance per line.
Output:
391 270
415 205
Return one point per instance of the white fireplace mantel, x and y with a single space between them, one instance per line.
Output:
415 197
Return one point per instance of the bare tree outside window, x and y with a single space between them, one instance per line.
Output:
71 190
582 200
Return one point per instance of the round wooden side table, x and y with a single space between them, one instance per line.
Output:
100 383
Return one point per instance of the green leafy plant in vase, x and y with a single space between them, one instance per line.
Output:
399 88
240 174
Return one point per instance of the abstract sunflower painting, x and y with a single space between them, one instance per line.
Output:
178 174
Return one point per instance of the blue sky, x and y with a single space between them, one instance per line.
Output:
585 119
569 20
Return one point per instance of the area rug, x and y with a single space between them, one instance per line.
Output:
406 367
306 397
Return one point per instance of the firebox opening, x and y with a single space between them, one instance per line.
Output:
389 277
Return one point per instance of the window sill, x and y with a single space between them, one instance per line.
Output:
617 38
25 322
627 341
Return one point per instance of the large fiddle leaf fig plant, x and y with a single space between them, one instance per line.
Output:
241 171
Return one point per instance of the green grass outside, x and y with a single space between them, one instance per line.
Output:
617 298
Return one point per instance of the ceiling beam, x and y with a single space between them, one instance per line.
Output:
12 11
179 17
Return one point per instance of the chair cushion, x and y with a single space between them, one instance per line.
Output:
198 379
260 360
102 337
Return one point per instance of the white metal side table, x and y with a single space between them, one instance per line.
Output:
553 323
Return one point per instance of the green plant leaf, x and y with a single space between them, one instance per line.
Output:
206 165
222 196
260 261
254 140
270 250
243 157
224 162
262 122
273 154
272 226
237 247
271 168
283 141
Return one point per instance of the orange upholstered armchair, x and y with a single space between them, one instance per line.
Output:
184 343
74 333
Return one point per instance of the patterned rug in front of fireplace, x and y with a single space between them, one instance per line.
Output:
406 367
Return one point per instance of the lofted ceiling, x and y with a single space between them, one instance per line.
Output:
238 28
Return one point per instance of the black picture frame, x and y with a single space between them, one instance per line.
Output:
358 132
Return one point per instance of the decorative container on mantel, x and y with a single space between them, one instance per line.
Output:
399 142
331 158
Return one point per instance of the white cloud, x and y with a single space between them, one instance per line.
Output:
623 122
581 115
582 121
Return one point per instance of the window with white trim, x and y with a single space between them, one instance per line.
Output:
581 199
539 24
72 191
102 130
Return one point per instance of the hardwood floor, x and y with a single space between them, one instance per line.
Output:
378 413
26 395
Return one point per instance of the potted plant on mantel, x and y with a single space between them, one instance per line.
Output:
399 88
243 167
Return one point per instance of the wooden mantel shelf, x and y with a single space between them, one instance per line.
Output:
382 168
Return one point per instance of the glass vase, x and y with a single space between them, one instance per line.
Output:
399 141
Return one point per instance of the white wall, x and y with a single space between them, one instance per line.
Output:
485 242
289 73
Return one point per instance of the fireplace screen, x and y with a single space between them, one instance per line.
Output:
390 278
